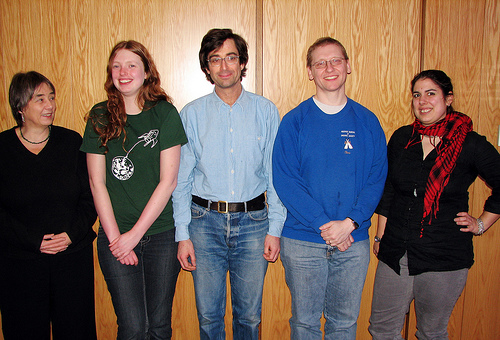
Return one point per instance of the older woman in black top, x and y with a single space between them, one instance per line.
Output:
424 236
46 218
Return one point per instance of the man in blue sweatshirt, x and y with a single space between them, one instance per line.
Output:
329 170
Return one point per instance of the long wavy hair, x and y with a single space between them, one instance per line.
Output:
151 91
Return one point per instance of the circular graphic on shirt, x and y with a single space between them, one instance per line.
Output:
122 168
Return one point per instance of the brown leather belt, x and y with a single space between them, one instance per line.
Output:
258 203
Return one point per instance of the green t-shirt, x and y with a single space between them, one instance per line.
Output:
133 168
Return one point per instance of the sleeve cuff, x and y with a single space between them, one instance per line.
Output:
181 233
275 230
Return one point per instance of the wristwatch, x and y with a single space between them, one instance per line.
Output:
378 239
354 223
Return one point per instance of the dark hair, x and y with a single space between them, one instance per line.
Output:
323 42
150 91
21 90
213 40
440 79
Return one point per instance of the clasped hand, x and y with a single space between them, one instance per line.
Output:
55 243
338 234
123 246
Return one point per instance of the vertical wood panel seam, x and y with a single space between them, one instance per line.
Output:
482 81
72 40
259 50
422 34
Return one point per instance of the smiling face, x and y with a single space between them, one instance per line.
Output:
225 76
429 102
127 72
332 78
41 108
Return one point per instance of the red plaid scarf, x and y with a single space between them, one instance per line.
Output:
452 130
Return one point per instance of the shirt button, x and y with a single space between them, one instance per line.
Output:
232 171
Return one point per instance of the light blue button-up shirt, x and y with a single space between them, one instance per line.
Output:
228 156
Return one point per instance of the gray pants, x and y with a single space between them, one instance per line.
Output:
435 295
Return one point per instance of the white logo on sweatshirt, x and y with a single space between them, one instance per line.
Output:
347 135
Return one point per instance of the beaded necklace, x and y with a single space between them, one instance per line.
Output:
21 130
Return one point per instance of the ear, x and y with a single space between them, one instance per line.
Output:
449 99
309 73
348 67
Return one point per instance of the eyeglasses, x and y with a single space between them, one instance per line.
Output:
319 65
217 61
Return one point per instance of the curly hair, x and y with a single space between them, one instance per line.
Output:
213 40
151 91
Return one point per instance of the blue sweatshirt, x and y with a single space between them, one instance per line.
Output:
329 167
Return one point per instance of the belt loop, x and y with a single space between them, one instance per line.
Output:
209 203
246 208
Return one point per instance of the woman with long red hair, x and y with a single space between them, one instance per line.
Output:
133 142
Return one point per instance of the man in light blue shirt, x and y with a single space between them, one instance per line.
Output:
221 217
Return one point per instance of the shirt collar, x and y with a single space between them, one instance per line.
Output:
240 101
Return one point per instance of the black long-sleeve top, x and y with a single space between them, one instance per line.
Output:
48 193
442 246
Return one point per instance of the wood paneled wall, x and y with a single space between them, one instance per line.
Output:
463 38
388 41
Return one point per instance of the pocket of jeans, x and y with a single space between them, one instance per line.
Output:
258 215
197 211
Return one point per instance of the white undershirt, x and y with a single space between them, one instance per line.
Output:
329 109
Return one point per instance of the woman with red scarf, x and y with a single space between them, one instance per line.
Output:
424 236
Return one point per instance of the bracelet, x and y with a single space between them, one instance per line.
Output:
378 239
480 226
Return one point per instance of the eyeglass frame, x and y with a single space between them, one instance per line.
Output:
331 61
219 60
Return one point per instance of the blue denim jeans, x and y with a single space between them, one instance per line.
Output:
231 242
324 280
142 295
